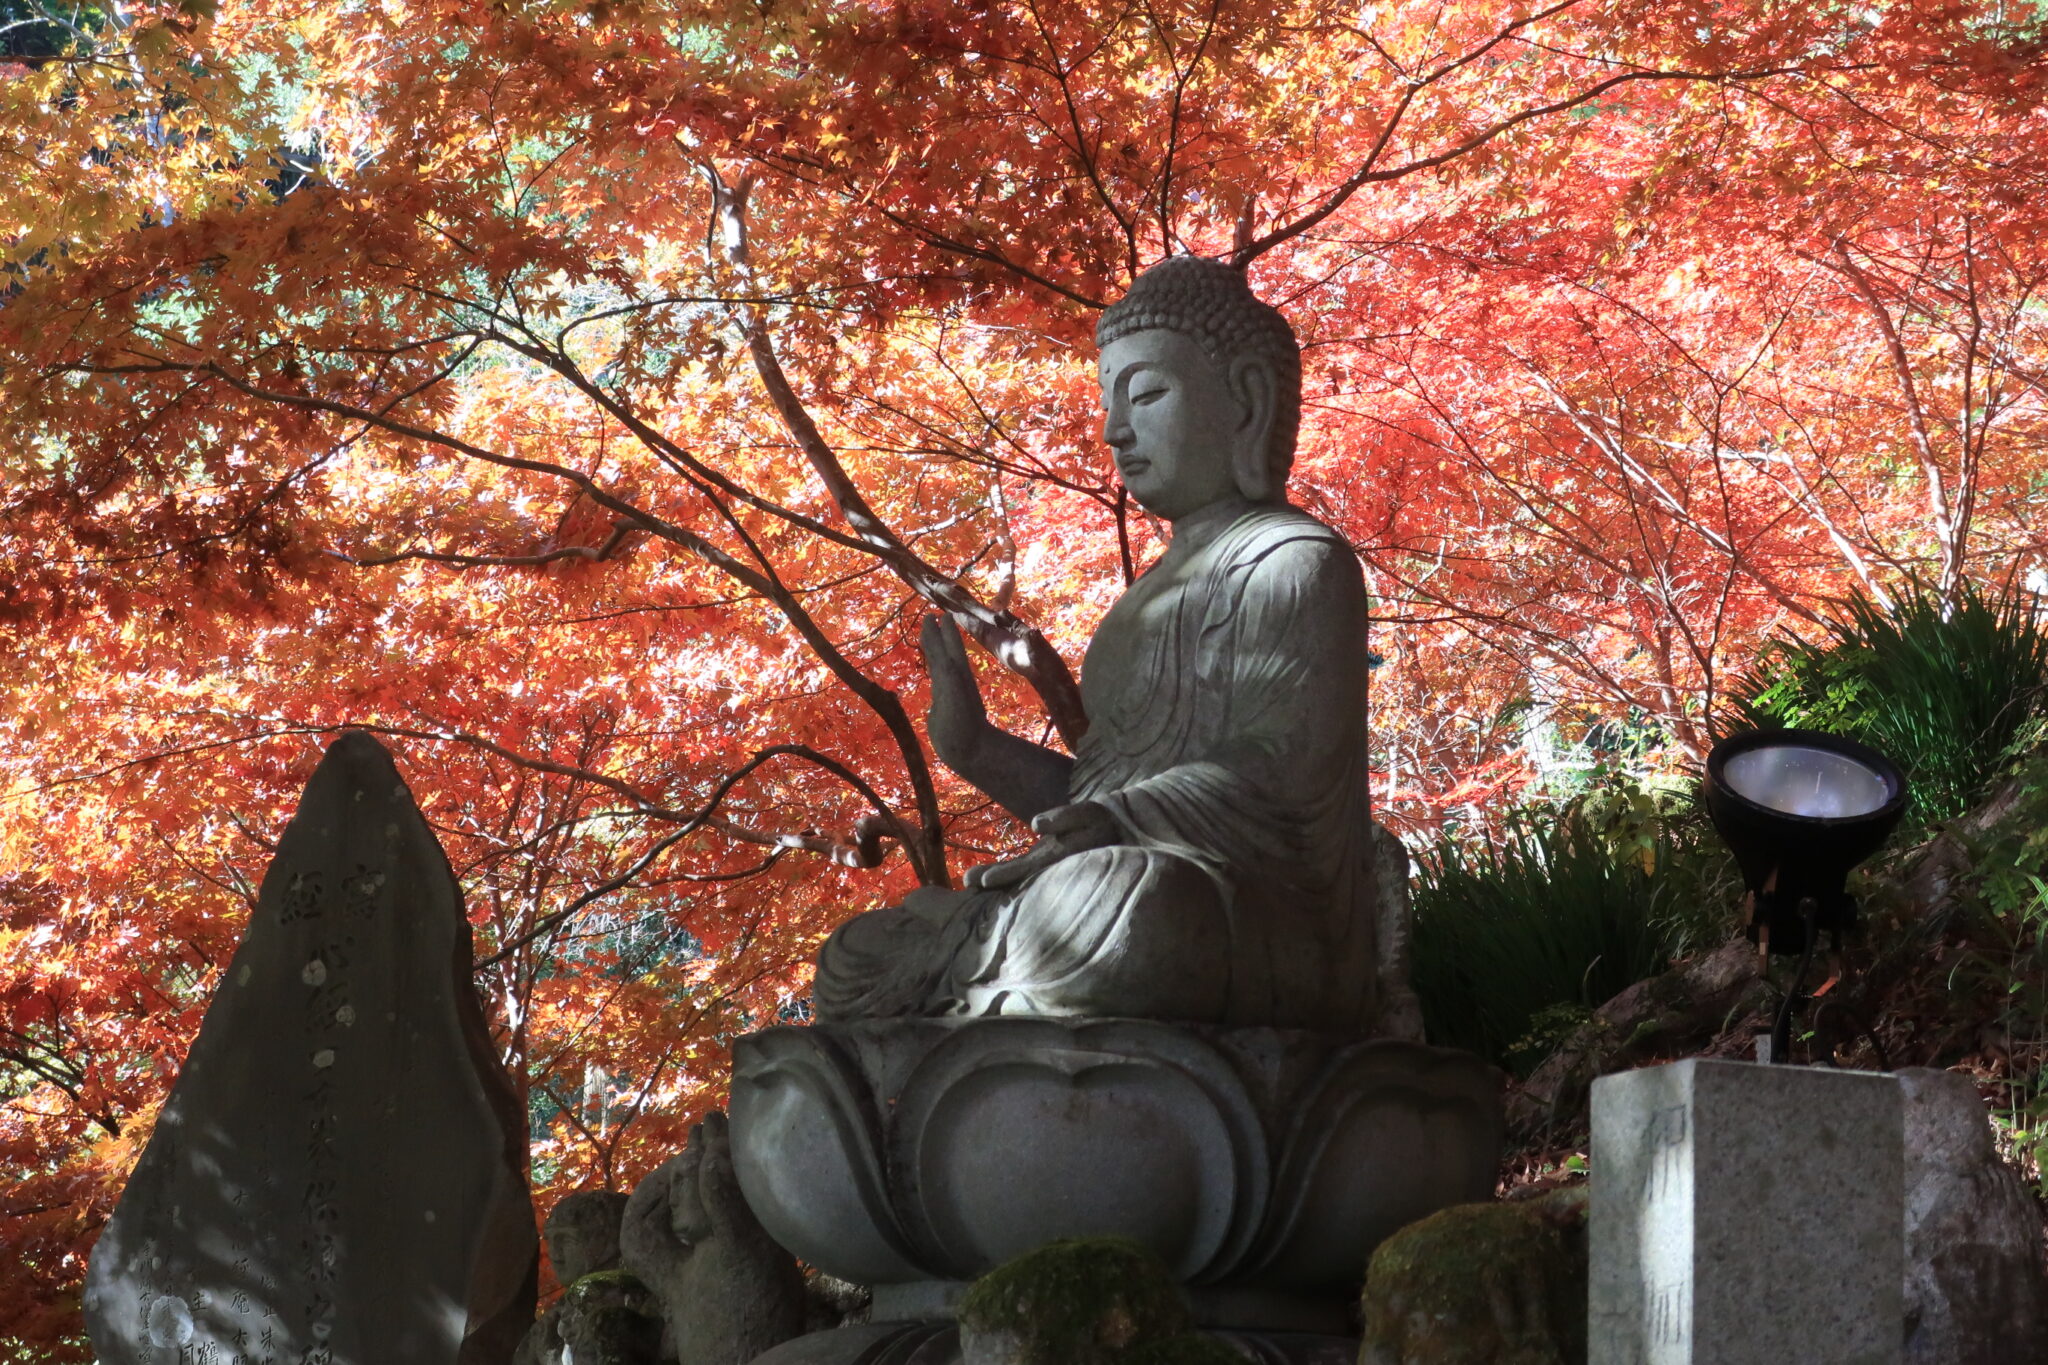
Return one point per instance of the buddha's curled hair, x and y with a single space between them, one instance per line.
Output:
1212 304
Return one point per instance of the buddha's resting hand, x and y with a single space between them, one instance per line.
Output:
1062 832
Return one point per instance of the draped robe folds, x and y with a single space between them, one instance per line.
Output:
1226 699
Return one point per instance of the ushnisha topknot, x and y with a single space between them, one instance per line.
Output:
1213 305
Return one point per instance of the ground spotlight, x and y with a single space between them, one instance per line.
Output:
1800 808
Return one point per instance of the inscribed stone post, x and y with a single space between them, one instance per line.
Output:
338 1176
1744 1213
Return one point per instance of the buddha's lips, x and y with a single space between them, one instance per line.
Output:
1137 464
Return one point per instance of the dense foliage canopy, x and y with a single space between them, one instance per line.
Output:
590 396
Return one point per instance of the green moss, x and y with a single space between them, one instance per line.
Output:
1475 1283
1086 1301
607 1282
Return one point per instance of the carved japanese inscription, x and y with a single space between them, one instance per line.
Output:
1666 1199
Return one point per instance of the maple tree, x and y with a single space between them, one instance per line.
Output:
590 398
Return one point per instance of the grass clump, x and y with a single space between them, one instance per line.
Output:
1953 692
1520 933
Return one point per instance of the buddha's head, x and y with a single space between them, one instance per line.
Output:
1201 388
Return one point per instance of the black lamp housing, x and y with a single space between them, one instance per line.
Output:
1800 808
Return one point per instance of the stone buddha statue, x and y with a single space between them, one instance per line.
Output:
1206 855
1181 1016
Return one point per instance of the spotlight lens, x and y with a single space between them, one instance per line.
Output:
1798 779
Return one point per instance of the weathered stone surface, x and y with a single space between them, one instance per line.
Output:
874 1343
727 1292
1975 1293
1394 909
938 1343
338 1176
1743 1212
1664 1016
1482 1284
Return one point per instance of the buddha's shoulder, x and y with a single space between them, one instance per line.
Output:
1278 534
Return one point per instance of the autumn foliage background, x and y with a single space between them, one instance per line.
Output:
590 399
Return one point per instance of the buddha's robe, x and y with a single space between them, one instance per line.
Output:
1226 696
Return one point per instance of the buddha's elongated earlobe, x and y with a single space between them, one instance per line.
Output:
1253 384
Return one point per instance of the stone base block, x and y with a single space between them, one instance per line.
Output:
1744 1213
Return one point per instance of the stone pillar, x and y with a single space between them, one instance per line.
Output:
1745 1213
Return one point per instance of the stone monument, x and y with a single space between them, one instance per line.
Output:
1182 1015
339 1174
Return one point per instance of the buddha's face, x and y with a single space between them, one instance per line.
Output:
1170 414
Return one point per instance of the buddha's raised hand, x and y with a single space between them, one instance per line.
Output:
1026 778
958 722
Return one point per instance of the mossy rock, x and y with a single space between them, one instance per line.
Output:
608 1285
1482 1284
610 1318
1189 1348
1086 1301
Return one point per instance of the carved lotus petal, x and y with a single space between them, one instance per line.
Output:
1386 1134
1017 1132
806 1140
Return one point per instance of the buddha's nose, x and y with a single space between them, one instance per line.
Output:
1116 430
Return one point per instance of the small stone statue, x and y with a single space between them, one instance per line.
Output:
582 1234
727 1292
605 1316
1207 854
609 1319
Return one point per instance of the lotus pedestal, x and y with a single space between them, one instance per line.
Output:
913 1156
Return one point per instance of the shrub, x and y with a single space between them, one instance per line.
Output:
1520 934
1951 693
